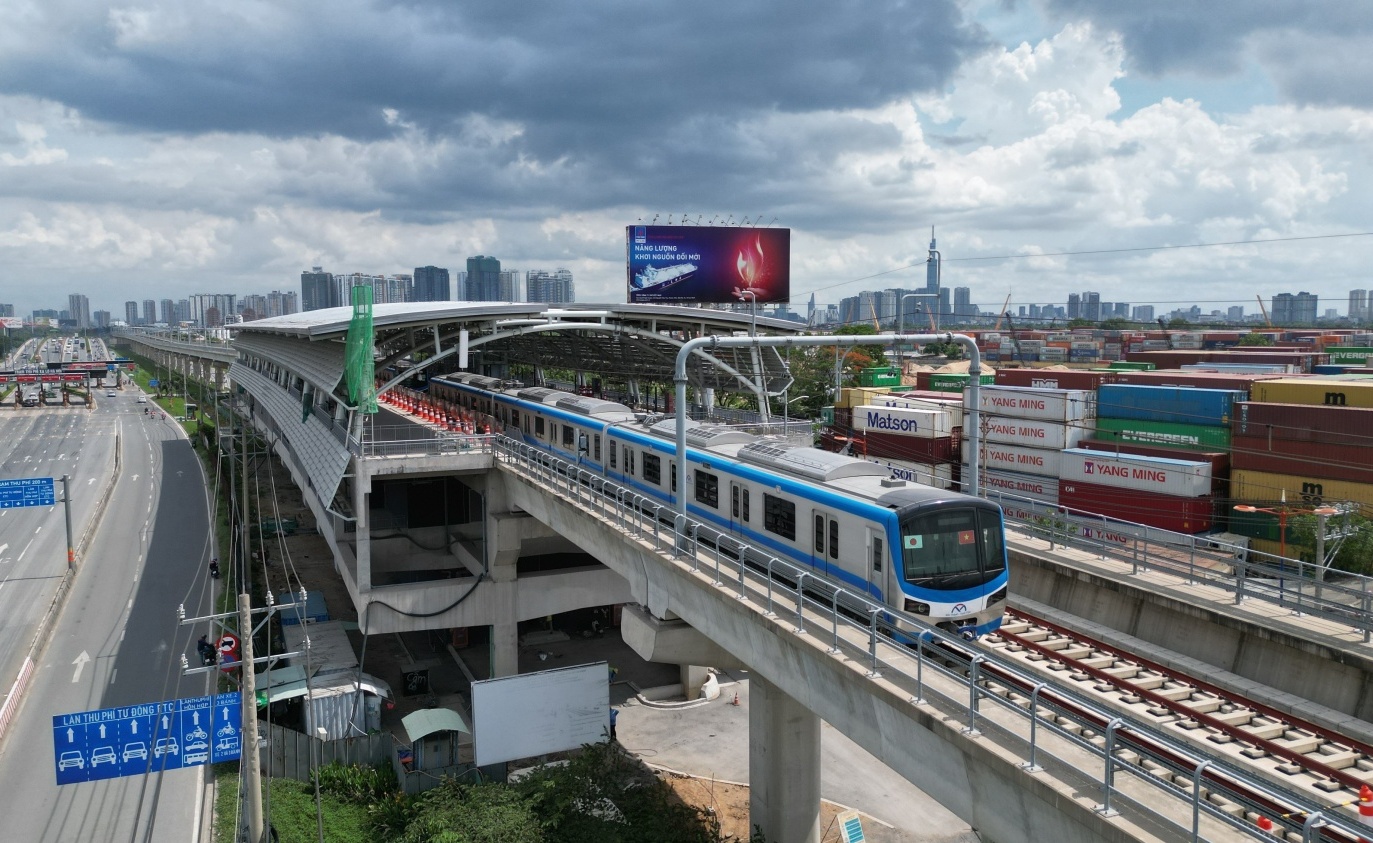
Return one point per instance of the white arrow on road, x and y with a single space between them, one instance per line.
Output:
3 547
135 477
80 662
90 481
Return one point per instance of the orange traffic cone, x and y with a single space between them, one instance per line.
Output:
736 698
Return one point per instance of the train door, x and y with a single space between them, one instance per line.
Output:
877 562
739 515
825 540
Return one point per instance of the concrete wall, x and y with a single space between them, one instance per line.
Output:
1308 668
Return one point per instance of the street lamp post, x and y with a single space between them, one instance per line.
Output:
786 410
1282 511
753 311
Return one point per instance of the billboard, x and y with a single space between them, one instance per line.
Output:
707 264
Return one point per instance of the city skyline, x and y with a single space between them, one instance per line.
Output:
1056 145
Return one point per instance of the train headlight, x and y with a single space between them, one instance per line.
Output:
915 607
999 597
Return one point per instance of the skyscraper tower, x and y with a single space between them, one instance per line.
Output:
933 280
810 311
483 279
431 283
317 290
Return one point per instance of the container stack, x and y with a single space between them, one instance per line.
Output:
916 437
1172 417
1024 431
1165 493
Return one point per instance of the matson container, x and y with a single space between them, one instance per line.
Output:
904 421
1192 436
948 403
1357 392
926 474
1044 403
1346 426
1035 433
1335 462
1021 485
1167 404
1167 512
995 456
1078 379
1300 489
899 447
1131 471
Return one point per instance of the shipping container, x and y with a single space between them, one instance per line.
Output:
997 457
1219 460
1195 380
1242 368
1167 404
1074 379
1036 433
1042 403
1191 436
1131 471
1020 485
939 476
1319 459
947 403
879 376
1301 490
843 418
1126 365
914 448
1346 426
1255 525
827 416
1301 360
905 421
1331 391
955 381
858 396
1166 512
1350 355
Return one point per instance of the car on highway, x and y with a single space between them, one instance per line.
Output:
143 399
71 759
103 755
109 393
137 749
165 746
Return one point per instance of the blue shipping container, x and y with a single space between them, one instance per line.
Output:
1181 405
1330 369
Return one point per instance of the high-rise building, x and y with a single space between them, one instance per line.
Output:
431 283
1142 313
182 311
483 279
552 287
1235 314
317 290
101 318
1122 310
281 303
1358 304
149 312
509 285
1074 306
963 307
79 310
1091 306
7 310
253 306
221 303
131 313
810 311
168 309
1291 310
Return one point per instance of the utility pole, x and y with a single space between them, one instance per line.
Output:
67 506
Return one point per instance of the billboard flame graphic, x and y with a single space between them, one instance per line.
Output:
750 267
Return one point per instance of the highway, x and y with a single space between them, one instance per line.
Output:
117 641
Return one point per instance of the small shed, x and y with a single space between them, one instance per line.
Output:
314 609
436 748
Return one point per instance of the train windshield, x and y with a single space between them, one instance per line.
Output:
952 548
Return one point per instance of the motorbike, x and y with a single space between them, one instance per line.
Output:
214 569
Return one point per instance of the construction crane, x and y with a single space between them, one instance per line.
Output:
1005 314
876 328
1264 311
1010 326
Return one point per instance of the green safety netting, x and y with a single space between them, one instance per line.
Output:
359 368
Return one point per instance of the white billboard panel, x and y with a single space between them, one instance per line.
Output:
538 713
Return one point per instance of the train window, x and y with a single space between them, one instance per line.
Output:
629 462
834 539
653 469
596 455
734 501
819 534
941 545
568 433
538 426
993 550
876 555
779 517
612 453
707 489
743 493
515 418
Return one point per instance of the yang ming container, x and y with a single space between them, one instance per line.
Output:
994 456
1166 512
1020 485
1210 407
1043 403
1130 471
1035 433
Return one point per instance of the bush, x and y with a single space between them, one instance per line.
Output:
356 783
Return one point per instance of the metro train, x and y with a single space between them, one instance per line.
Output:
929 552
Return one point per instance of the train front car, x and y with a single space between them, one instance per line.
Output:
951 564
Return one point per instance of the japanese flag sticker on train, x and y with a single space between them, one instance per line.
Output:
966 537
912 542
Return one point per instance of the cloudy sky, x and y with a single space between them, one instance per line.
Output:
170 147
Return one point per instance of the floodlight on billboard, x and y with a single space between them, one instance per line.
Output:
707 264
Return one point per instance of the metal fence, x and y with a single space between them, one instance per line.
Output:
1047 725
376 443
292 755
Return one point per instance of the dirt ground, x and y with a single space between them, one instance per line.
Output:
730 803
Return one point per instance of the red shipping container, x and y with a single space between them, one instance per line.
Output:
1220 461
1195 380
1167 512
1318 423
1301 360
896 447
1352 463
1054 378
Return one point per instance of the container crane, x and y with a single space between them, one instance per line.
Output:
1264 311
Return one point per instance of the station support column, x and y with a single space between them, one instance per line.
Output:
783 765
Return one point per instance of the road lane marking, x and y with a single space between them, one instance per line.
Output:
113 674
3 547
80 663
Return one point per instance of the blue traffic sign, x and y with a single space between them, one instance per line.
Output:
152 382
32 491
131 741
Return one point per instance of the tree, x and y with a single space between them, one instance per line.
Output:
455 812
1115 323
1179 322
875 355
1355 552
1253 338
1079 322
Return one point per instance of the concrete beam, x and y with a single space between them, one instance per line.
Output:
672 641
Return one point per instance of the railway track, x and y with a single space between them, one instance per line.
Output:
1293 754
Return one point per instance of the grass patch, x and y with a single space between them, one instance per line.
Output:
292 811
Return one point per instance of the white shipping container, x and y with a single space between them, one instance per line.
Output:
1053 353
1032 402
1128 471
1081 345
995 456
903 421
938 476
1036 433
1021 485
954 406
